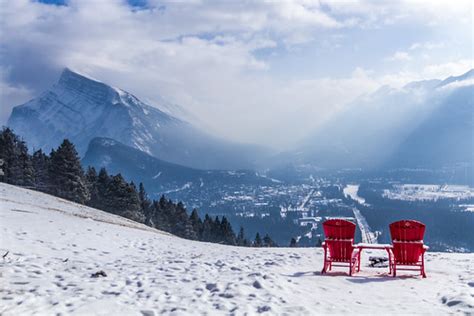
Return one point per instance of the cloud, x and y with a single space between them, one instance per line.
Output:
207 56
400 56
427 45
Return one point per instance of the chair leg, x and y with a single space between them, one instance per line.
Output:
358 262
423 274
394 269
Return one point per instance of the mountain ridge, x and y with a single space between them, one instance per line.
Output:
157 175
81 108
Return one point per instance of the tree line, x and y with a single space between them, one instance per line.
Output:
61 174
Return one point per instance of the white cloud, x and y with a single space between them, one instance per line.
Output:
202 55
427 45
400 56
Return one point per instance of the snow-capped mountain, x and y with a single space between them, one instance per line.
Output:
159 176
423 124
51 247
81 108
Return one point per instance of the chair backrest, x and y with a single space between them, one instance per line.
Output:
339 229
339 235
407 230
407 252
340 249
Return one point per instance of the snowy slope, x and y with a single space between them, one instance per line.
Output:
54 247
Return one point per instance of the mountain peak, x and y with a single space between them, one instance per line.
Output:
73 80
465 76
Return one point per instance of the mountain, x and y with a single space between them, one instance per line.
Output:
159 176
61 245
423 124
81 108
445 138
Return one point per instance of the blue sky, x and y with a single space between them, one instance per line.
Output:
250 71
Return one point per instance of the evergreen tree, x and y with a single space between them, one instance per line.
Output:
268 242
159 219
145 204
241 237
293 242
207 229
121 198
228 235
99 196
66 174
17 167
40 162
181 225
216 233
319 243
258 241
196 222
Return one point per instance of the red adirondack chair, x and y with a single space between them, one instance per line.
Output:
339 248
408 248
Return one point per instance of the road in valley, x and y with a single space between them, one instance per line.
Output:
368 236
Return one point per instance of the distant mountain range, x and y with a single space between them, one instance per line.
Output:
81 108
425 124
160 176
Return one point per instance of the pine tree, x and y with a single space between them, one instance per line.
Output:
216 233
99 195
66 174
228 235
293 242
92 180
159 219
258 241
181 225
319 243
17 167
145 204
268 242
207 229
196 222
241 237
40 162
121 198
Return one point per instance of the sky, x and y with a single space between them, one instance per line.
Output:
266 72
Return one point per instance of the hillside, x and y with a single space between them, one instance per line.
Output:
54 246
159 176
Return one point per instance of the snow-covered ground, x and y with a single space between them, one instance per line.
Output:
352 190
53 247
429 192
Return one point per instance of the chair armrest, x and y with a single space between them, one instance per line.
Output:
425 247
355 252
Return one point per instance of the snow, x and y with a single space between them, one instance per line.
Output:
54 246
351 190
157 175
429 192
186 186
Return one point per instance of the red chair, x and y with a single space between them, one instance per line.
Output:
339 248
408 248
